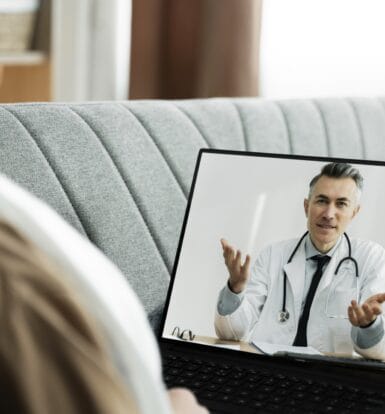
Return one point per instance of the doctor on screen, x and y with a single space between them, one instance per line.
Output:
323 289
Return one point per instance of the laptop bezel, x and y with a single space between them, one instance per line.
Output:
291 360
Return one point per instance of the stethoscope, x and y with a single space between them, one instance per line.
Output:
283 314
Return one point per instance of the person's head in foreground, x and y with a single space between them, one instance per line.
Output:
52 355
332 203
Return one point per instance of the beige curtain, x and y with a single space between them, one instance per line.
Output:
191 49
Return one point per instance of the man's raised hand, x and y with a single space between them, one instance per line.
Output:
365 314
238 272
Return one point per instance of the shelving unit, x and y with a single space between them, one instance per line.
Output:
26 76
29 58
72 57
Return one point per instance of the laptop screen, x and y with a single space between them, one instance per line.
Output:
245 270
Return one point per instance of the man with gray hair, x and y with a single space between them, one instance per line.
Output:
322 290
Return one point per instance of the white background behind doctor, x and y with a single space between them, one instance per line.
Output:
271 302
241 197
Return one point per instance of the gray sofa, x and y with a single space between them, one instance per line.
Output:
120 172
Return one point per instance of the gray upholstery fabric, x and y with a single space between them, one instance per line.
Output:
120 172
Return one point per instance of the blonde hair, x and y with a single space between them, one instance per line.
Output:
52 355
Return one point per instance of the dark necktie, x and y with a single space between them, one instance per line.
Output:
301 337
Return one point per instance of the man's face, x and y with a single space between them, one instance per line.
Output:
331 207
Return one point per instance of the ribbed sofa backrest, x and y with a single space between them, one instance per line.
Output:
120 172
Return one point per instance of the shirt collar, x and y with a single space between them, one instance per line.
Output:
310 249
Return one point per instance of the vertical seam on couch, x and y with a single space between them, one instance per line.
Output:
286 122
161 152
65 191
359 126
127 184
324 124
243 129
153 142
185 113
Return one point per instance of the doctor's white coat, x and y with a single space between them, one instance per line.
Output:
257 316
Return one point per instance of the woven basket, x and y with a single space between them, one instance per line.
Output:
16 31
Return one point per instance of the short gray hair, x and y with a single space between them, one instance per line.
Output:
339 170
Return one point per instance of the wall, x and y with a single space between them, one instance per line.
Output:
314 48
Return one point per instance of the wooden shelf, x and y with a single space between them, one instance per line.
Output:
31 57
26 76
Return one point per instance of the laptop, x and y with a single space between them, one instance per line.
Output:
245 362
